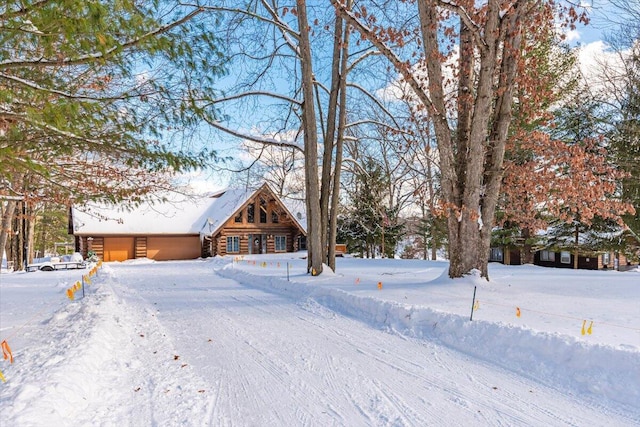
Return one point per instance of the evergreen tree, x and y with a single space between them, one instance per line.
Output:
625 140
95 83
90 95
369 226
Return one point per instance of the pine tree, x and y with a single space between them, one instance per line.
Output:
89 92
625 140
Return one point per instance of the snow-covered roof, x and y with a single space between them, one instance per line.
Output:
182 216
232 200
179 215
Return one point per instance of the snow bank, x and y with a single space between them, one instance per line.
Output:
562 361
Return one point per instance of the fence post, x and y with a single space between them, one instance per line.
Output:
287 271
473 303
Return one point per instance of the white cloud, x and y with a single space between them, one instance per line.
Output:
572 36
600 66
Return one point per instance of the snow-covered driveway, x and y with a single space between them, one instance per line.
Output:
261 359
198 343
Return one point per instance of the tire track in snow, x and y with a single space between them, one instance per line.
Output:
327 369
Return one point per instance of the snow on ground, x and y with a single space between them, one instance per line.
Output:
380 342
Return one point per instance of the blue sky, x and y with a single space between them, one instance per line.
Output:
583 35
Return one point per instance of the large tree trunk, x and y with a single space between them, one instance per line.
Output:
471 183
342 124
314 220
329 138
470 155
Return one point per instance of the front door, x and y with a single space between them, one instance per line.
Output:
256 245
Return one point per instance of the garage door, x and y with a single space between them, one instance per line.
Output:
166 248
118 248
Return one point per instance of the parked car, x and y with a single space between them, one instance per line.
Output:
66 262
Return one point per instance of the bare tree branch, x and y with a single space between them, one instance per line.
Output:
258 139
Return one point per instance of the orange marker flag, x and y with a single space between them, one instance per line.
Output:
357 282
6 351
70 294
379 285
517 311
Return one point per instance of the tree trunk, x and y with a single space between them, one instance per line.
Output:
471 155
342 124
527 250
7 218
314 220
575 251
30 222
330 137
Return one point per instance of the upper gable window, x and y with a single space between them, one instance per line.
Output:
238 217
263 211
274 217
251 213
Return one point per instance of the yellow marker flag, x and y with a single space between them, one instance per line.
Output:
4 380
517 311
584 322
476 306
590 328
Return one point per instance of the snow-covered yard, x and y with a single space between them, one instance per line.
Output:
380 343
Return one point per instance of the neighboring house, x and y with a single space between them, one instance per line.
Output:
564 259
229 222
595 261
559 252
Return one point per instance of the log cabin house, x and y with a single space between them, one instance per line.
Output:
231 222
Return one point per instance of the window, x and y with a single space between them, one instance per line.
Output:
496 255
233 244
238 217
251 212
606 259
547 256
274 217
565 257
263 211
281 243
